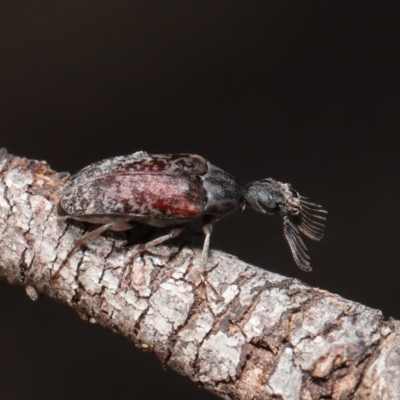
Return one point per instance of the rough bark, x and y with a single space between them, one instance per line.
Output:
239 331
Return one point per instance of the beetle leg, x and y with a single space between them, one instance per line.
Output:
174 232
92 235
207 229
79 242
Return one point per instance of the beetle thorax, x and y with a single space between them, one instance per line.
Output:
223 193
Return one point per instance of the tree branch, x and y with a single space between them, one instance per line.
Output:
239 331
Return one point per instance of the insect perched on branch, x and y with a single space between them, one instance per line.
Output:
169 190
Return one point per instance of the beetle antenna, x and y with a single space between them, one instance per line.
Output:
302 216
296 244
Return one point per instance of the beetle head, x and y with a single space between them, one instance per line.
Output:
299 215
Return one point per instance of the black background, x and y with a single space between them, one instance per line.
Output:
305 92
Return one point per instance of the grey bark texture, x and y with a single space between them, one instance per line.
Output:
239 331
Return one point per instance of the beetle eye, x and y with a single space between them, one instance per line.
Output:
268 206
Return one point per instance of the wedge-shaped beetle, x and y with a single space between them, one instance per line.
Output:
163 190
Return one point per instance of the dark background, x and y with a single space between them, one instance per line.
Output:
305 92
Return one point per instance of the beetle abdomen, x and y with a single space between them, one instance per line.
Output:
161 196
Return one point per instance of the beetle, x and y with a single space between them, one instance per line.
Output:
169 190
